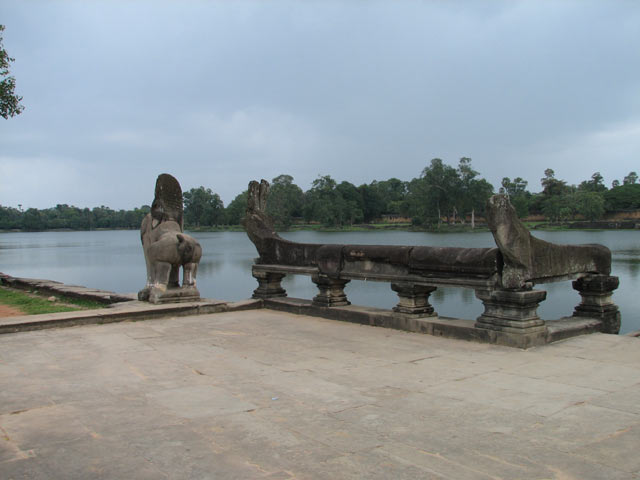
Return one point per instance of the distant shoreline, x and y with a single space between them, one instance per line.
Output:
379 227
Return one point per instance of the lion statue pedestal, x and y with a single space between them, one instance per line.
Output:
167 248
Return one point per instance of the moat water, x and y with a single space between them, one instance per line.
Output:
113 260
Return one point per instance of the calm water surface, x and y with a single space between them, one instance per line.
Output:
113 260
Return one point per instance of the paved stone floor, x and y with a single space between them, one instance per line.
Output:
268 395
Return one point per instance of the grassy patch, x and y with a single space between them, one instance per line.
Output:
33 304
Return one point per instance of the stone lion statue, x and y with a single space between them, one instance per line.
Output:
167 248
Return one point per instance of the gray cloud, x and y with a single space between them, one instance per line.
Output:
219 93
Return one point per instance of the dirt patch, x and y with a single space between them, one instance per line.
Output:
6 311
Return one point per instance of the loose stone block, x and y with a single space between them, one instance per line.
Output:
331 291
596 292
413 299
511 311
268 284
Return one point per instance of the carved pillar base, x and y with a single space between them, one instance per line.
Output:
268 284
331 291
596 292
511 311
173 295
413 299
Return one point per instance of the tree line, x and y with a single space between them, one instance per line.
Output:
64 217
591 199
440 194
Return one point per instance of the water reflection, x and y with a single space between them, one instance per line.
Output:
630 265
113 260
208 267
627 260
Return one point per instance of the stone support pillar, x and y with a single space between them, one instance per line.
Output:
268 284
331 291
596 292
413 299
512 311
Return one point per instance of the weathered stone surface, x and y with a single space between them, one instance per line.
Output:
502 276
331 291
519 259
361 260
454 261
270 395
122 312
273 249
167 248
529 259
268 284
515 310
514 315
431 324
58 288
187 293
596 291
413 299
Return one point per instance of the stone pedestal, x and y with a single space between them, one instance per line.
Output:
596 292
413 299
268 284
173 295
331 291
511 311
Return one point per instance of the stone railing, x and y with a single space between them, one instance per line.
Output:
503 277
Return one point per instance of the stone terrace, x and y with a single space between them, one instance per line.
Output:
269 395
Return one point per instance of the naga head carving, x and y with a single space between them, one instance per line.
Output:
167 204
257 223
257 197
500 211
529 259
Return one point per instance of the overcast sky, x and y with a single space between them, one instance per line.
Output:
219 93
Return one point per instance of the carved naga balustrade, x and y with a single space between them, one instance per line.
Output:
502 277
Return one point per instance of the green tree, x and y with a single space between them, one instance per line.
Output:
558 208
373 202
235 211
10 218
623 197
286 200
521 204
596 184
514 188
442 191
324 203
32 220
551 185
9 101
350 202
202 207
414 205
630 179
392 192
589 204
441 186
518 194
472 192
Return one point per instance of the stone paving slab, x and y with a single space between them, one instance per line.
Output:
271 395
119 312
